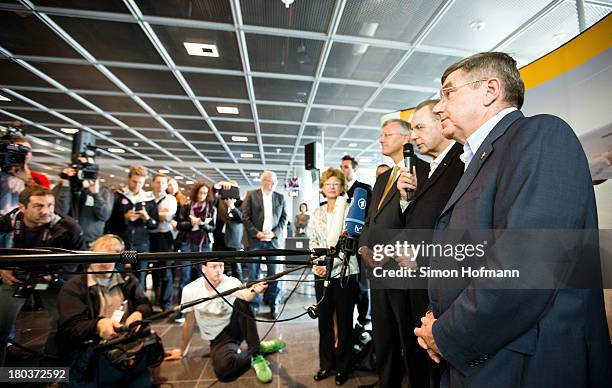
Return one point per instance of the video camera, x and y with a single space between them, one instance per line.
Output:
12 155
84 170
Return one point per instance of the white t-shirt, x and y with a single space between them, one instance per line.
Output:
211 316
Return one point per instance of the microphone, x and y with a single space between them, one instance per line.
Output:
410 162
353 225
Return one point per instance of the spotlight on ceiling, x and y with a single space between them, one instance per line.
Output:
162 171
2 98
240 138
116 151
246 156
178 177
69 131
228 110
201 49
478 25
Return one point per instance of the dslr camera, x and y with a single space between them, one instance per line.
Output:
84 170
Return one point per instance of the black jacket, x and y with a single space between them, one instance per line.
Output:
79 306
137 232
184 222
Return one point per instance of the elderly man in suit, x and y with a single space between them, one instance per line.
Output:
421 212
390 307
521 173
264 218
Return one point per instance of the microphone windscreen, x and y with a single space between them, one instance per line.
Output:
408 150
335 228
356 213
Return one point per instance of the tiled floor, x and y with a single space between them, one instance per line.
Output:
293 367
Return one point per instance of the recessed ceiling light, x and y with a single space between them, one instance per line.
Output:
189 182
2 98
257 180
228 110
240 138
107 133
135 144
162 171
365 160
112 175
255 174
478 25
178 177
116 150
201 49
353 145
69 130
60 148
246 155
147 185
102 180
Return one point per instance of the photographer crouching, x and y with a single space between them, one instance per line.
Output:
34 224
81 197
94 308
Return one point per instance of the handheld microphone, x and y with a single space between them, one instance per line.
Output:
410 162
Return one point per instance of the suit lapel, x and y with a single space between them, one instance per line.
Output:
480 157
452 153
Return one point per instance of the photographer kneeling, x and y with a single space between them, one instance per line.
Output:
93 309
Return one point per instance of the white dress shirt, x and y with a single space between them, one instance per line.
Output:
438 159
268 211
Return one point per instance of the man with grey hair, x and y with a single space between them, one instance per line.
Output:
521 173
264 218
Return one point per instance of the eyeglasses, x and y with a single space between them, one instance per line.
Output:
445 92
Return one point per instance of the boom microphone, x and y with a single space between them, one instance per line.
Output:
410 162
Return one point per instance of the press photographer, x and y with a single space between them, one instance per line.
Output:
94 308
33 224
81 197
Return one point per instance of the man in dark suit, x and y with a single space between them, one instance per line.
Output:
521 173
422 211
349 166
264 218
390 307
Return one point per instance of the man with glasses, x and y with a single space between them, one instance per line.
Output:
521 173
264 218
390 307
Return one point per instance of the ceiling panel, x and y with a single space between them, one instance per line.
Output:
244 110
173 38
501 17
188 123
392 100
36 116
110 41
214 85
275 54
89 119
24 34
319 131
277 140
52 100
113 103
275 112
279 89
311 15
393 20
280 129
349 95
76 76
13 74
369 118
135 121
424 69
232 126
149 81
360 61
172 106
209 10
330 116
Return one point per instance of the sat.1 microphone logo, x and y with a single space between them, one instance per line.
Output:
361 203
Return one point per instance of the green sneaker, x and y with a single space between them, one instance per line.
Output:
262 369
272 346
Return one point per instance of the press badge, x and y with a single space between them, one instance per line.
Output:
89 201
41 286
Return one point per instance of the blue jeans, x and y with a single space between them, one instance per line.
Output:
142 276
273 293
186 271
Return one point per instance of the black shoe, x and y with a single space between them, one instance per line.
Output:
322 374
273 313
341 378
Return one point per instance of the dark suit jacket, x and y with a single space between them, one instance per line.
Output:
429 200
529 173
253 215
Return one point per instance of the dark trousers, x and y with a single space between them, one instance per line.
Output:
163 281
341 301
227 363
272 295
395 344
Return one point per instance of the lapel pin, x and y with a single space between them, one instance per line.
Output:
484 155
